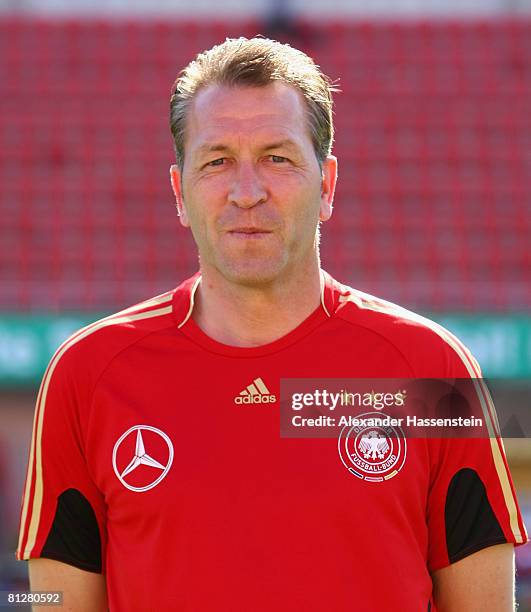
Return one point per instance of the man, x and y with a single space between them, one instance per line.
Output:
152 484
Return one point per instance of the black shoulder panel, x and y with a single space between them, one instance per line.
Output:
74 536
469 519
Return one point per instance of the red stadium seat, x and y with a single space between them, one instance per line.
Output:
433 135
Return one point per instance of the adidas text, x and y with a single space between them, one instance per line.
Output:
255 399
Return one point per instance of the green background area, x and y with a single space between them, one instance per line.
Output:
501 344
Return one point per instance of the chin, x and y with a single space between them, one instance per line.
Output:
252 274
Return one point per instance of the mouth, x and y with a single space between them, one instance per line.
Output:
248 232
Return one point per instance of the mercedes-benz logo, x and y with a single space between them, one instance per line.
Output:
141 457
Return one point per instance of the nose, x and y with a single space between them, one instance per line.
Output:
247 189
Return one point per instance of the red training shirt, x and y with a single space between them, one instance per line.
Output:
145 466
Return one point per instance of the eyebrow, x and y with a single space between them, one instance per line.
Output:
286 142
219 147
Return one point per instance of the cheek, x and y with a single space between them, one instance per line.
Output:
201 199
213 185
202 221
306 206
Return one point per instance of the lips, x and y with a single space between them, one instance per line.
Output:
248 233
249 230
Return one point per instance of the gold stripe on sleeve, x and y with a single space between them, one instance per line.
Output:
366 301
36 445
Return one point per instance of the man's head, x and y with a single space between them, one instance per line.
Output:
255 63
253 129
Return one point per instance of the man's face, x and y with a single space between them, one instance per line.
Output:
251 189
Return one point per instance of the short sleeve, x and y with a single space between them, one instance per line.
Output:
472 502
63 512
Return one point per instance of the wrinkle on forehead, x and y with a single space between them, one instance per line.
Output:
263 139
273 112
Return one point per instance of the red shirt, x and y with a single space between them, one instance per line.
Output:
145 465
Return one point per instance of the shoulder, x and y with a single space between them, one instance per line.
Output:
92 347
429 347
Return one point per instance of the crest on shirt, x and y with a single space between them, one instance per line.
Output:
141 458
372 452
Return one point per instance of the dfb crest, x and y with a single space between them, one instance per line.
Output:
372 452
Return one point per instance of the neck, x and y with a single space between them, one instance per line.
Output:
245 316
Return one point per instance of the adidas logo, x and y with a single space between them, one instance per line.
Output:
255 393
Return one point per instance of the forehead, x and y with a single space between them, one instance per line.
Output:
276 110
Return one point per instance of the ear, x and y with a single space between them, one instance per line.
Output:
328 187
175 177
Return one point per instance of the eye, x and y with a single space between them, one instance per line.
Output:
278 159
216 162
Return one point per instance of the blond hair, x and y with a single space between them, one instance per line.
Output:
256 62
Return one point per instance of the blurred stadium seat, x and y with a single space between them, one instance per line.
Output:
433 207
